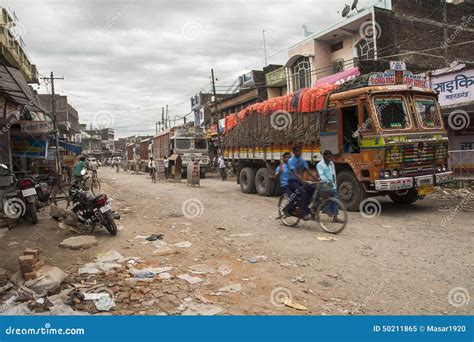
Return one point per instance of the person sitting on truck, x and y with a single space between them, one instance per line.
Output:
282 173
297 184
327 174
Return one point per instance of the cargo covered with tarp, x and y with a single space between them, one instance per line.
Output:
291 119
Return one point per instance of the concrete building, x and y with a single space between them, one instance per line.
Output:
12 48
275 80
366 39
108 139
67 117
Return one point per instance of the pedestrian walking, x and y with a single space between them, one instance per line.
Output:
222 167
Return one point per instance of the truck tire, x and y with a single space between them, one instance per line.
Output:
264 184
247 180
411 196
351 192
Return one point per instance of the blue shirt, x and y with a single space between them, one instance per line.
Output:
297 165
327 172
284 175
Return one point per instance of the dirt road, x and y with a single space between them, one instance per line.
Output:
403 261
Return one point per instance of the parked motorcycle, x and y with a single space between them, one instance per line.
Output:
93 210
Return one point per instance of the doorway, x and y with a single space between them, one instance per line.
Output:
350 136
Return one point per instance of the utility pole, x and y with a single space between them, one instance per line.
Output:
169 120
159 126
163 116
90 142
156 128
55 122
265 48
215 108
445 34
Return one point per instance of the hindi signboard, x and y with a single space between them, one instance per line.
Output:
454 88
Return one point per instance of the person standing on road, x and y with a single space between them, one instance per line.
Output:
297 184
222 167
327 173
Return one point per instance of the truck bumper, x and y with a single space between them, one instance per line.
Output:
410 182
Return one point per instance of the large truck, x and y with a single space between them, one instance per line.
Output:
385 130
188 142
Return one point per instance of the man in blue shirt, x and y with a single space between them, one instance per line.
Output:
297 184
327 173
282 173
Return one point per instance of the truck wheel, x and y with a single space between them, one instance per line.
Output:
409 197
264 183
247 180
351 192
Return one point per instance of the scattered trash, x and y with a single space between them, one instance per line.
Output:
234 288
164 251
326 238
224 270
201 269
79 242
15 310
98 267
294 305
221 228
148 272
154 237
74 297
258 258
242 235
47 279
190 279
159 244
299 279
102 300
202 310
386 226
164 276
184 244
110 256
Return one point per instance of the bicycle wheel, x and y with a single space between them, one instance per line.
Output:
95 187
287 220
325 217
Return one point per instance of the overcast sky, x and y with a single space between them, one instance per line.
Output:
123 60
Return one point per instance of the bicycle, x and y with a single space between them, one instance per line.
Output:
95 184
319 210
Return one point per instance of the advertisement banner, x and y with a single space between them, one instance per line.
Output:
29 148
36 127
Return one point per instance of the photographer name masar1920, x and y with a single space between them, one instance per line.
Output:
421 328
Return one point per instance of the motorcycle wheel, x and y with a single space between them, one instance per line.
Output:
109 223
33 212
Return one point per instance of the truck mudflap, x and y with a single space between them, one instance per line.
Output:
410 182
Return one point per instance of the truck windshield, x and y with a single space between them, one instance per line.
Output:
428 112
392 112
183 144
200 144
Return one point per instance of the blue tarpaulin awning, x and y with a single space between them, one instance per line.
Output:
76 149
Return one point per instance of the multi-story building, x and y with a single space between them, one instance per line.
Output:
67 116
12 47
367 38
108 139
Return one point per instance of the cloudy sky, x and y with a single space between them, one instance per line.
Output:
123 60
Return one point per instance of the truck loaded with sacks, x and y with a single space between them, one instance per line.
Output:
384 129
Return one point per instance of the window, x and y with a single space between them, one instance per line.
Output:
365 49
392 112
200 144
301 73
337 46
428 112
183 144
338 66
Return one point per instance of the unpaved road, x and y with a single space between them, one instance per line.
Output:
400 262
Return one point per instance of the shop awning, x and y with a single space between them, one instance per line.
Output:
76 149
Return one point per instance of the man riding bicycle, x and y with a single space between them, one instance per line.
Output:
327 173
297 184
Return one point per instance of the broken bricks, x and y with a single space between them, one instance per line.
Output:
30 263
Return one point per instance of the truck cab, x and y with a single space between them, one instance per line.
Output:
191 144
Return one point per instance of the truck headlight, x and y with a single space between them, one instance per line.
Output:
440 168
387 174
445 168
395 173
